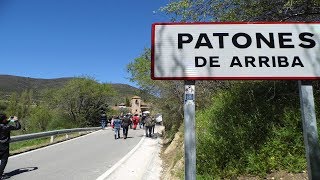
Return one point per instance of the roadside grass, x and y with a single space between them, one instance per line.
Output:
28 145
253 128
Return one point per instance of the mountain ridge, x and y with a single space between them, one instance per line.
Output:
11 83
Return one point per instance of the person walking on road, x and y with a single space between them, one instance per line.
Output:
148 125
116 127
103 120
135 121
153 122
142 122
125 125
6 125
130 117
112 119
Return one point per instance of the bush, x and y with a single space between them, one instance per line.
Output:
61 121
43 119
252 128
38 119
3 106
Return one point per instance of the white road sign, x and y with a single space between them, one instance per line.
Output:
199 51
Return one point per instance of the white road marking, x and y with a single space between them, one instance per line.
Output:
114 167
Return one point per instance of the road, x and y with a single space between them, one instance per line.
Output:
83 158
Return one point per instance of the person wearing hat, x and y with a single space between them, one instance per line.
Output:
5 129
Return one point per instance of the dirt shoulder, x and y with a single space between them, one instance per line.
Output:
173 159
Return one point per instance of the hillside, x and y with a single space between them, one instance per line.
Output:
10 84
126 91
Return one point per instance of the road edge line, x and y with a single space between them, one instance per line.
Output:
121 161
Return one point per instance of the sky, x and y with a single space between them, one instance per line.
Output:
68 38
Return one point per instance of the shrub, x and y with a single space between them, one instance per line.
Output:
252 128
39 119
61 121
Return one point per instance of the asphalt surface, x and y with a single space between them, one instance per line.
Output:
145 163
83 158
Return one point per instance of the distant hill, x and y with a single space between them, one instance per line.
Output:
10 84
126 91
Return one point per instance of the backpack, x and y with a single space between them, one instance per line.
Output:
148 122
126 122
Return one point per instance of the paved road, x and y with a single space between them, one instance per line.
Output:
83 158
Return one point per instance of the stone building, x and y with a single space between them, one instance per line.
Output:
138 106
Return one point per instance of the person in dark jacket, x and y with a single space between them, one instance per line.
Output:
153 124
125 125
143 120
148 125
103 121
6 125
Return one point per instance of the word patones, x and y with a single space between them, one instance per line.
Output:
244 40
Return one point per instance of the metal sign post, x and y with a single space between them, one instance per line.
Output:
310 132
189 131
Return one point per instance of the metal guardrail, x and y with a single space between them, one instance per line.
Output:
50 133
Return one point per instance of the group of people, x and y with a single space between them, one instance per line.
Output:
126 121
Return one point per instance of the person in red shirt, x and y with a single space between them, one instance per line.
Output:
136 120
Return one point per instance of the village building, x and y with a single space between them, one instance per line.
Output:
137 106
122 105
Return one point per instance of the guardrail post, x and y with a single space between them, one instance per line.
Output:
51 139
67 136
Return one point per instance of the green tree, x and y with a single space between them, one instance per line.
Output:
25 103
24 108
139 70
127 102
20 105
82 99
3 106
39 119
242 10
12 106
